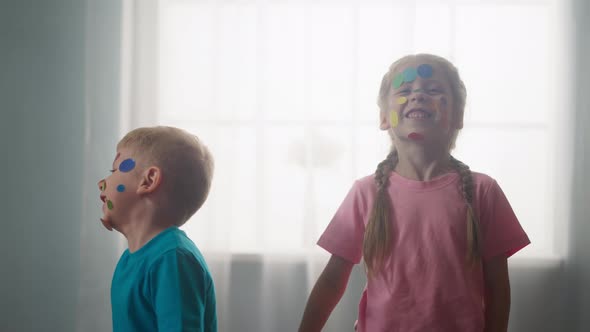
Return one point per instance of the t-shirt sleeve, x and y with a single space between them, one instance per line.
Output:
178 286
344 235
501 231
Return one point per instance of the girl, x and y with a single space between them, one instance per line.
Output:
434 236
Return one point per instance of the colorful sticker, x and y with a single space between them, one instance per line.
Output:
410 74
127 165
102 185
398 80
394 119
121 188
416 136
401 100
425 70
110 205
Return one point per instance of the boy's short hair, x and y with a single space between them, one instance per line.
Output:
186 165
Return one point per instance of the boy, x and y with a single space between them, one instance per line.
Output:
161 176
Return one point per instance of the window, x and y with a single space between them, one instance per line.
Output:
284 94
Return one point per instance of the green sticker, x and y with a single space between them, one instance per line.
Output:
398 80
110 205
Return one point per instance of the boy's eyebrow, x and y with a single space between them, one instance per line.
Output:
116 157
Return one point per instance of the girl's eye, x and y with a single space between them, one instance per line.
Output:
403 92
112 170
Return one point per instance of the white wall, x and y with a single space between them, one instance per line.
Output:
43 84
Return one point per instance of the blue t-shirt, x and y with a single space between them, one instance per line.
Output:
163 286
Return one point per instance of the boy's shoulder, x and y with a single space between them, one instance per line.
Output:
175 249
171 242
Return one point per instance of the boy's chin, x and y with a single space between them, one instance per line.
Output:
106 224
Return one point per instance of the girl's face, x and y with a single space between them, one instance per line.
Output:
421 104
117 191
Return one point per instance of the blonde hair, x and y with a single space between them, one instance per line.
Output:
377 242
186 165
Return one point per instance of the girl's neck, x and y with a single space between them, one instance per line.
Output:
416 162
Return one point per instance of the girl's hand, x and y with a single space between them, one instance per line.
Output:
497 294
326 293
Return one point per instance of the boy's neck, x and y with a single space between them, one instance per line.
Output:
139 236
419 163
142 227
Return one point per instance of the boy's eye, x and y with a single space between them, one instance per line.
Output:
112 170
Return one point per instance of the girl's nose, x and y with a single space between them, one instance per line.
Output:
418 95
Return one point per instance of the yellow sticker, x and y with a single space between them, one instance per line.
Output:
401 100
394 119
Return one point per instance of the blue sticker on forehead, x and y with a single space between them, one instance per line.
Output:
410 74
425 70
127 165
120 188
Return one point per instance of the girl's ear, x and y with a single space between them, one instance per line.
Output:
458 119
384 121
150 180
459 124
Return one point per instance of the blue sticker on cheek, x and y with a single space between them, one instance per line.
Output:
127 165
120 188
425 71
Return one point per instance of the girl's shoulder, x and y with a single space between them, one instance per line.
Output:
366 181
365 186
485 186
483 180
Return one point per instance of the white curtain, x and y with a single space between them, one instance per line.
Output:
283 92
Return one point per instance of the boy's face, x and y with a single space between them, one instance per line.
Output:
118 190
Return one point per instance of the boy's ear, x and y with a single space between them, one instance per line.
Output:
150 180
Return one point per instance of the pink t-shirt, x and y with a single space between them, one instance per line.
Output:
427 285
